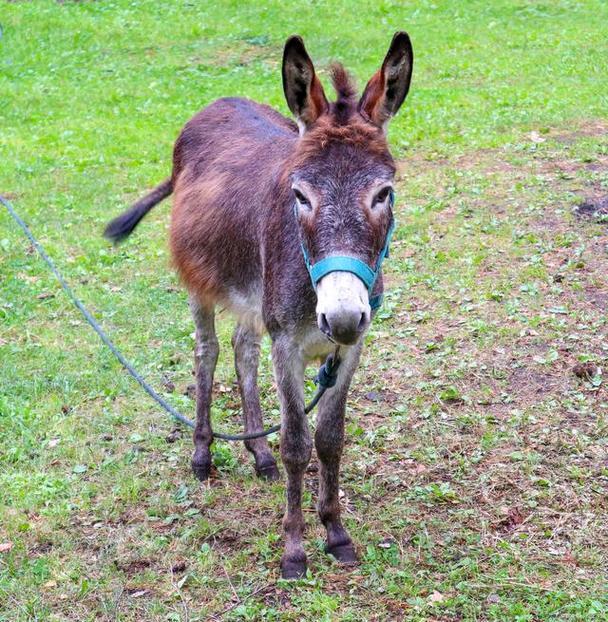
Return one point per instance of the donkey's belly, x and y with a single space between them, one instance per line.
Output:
246 305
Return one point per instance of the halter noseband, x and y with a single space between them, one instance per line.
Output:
344 263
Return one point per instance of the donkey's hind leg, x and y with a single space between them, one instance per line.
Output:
205 357
246 343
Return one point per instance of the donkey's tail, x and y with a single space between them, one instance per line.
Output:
122 226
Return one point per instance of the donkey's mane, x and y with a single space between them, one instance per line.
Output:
341 124
343 83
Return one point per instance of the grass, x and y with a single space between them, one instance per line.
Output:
475 476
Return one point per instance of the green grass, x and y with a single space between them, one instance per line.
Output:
475 477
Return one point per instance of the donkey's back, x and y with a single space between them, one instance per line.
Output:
228 132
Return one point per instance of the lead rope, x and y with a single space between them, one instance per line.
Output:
325 379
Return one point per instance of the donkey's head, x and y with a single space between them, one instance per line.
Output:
342 179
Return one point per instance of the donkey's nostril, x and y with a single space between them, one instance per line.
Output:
324 324
362 322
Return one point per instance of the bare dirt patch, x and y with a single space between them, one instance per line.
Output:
594 208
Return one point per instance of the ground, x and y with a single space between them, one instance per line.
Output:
475 476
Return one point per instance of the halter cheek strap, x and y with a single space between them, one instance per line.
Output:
344 263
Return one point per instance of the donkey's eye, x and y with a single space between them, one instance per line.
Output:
302 200
381 196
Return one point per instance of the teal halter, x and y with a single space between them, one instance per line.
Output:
343 263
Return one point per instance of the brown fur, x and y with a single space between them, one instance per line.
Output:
371 101
213 234
355 132
189 223
343 83
319 103
343 124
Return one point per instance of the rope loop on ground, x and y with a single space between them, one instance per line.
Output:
127 365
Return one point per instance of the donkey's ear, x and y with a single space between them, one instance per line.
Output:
303 91
388 87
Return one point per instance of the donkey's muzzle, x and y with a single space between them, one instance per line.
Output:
343 311
344 327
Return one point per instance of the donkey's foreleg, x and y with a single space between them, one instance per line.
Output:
246 343
329 441
296 447
205 358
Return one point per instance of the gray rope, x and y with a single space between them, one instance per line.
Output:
331 363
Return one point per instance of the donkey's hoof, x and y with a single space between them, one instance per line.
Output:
268 471
201 469
293 568
344 553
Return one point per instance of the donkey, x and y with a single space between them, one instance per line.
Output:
258 199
